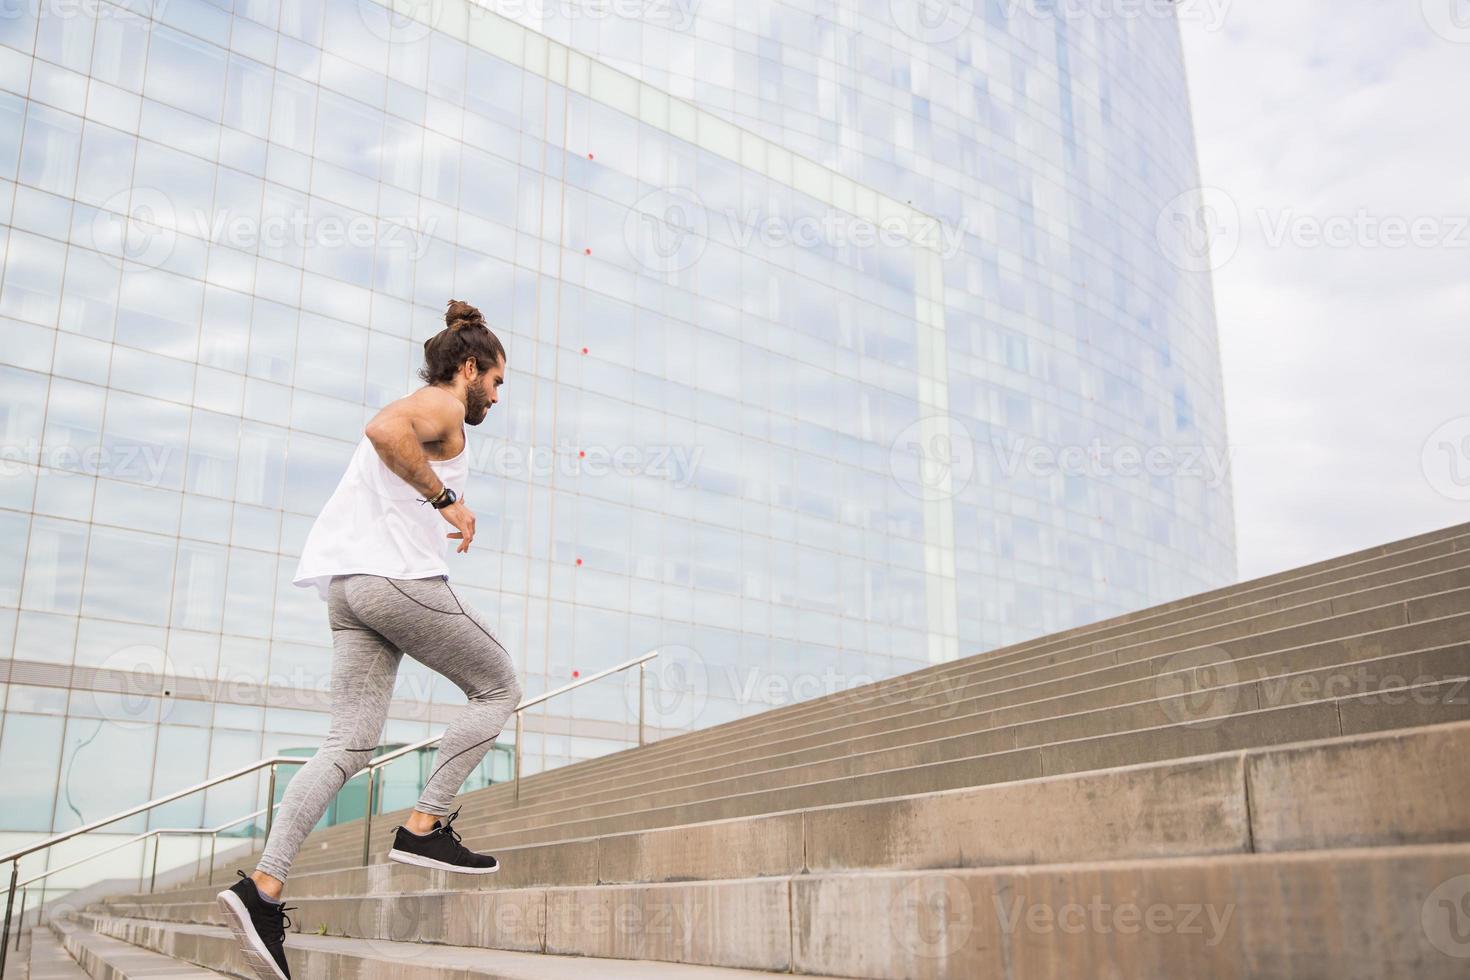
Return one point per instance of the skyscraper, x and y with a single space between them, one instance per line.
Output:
843 338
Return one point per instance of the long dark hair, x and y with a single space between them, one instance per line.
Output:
464 336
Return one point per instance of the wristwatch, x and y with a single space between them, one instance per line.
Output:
443 499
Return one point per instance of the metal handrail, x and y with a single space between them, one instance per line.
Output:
213 832
371 768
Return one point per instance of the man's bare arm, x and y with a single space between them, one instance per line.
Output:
399 432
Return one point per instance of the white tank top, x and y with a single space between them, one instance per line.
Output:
374 523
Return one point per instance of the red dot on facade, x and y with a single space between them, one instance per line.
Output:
587 251
582 454
584 350
576 674
589 156
579 562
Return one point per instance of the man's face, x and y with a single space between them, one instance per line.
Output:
482 392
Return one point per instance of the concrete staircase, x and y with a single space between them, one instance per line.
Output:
1268 780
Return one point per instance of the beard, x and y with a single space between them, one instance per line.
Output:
477 404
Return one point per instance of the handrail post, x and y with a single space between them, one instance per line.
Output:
20 920
9 900
517 794
153 878
367 819
213 840
270 803
641 686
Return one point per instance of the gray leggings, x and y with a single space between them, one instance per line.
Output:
375 620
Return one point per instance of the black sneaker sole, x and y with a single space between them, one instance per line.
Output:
419 861
252 947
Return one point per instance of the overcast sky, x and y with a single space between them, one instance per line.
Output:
1347 365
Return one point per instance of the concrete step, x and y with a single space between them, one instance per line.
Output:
950 694
1252 650
939 685
1455 543
335 957
993 713
1402 708
1233 721
105 958
48 960
1362 913
1112 709
1367 790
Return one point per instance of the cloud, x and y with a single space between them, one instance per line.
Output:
1344 348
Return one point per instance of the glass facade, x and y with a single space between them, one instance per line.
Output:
835 350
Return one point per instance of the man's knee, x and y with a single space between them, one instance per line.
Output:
506 691
349 762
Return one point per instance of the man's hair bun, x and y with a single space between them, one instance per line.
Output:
461 315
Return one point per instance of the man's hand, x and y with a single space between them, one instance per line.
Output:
459 515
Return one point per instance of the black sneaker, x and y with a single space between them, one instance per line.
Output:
440 849
260 926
